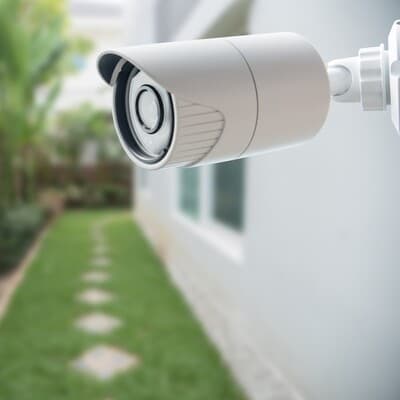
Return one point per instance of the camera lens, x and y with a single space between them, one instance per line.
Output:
149 109
150 116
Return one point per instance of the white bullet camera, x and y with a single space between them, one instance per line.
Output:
205 101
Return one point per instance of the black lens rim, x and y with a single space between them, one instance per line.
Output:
126 131
160 107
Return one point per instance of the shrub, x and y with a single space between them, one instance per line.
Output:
115 195
97 196
74 196
97 186
18 227
52 201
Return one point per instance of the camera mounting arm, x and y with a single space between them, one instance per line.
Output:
372 78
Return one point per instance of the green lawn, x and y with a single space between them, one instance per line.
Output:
38 339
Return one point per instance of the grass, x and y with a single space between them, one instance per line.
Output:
38 339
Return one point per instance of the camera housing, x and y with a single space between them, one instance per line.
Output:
198 102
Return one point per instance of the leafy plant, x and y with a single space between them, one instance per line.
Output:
35 52
18 226
76 128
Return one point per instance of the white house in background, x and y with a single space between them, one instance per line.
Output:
291 260
102 22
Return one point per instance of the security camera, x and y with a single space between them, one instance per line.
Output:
204 101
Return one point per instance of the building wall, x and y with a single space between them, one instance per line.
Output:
304 302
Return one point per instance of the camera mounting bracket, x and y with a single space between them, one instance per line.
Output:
372 78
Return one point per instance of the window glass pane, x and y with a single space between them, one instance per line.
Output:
189 191
228 193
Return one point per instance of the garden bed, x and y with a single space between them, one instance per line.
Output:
9 281
18 228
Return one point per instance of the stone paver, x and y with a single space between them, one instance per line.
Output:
95 296
98 236
104 362
99 240
100 262
96 277
100 250
98 323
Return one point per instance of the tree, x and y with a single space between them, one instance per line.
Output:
35 52
77 127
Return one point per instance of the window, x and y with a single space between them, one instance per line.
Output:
189 182
214 196
228 193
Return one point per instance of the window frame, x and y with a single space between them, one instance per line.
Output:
195 218
226 238
212 210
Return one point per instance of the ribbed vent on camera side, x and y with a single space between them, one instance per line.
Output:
199 128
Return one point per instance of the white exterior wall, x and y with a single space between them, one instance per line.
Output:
314 285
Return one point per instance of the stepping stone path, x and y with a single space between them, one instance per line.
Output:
98 323
101 362
100 250
101 262
99 239
104 362
96 277
95 296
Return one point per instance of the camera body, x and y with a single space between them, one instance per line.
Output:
204 101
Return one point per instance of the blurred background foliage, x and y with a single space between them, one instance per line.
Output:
38 145
75 130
